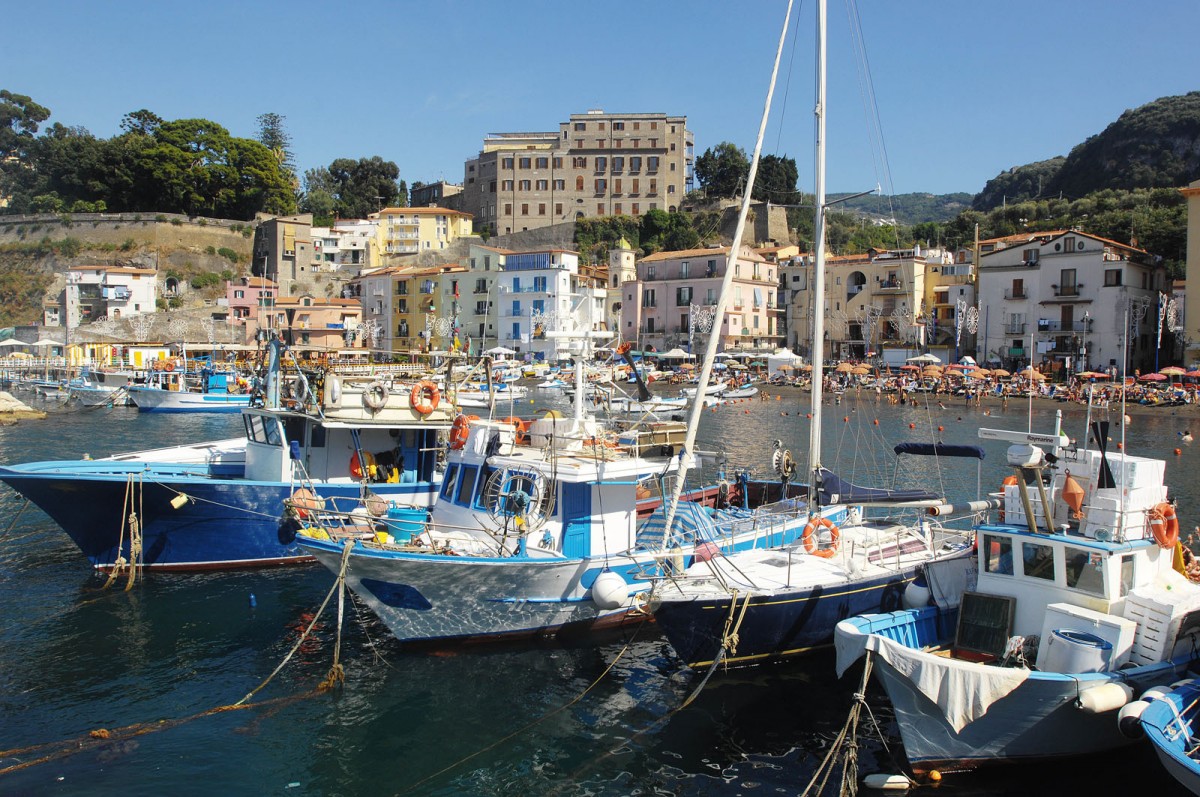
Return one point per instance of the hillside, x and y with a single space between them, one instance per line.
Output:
908 209
1154 146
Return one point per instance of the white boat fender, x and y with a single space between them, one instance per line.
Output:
1129 719
887 782
1106 697
916 594
610 590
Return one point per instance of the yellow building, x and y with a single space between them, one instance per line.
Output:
412 231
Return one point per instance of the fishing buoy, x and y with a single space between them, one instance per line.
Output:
779 398
1178 451
178 501
912 426
846 419
876 421
941 428
808 415
1127 419
916 594
784 413
935 776
610 590
1120 446
886 782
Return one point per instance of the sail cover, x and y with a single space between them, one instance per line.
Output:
939 450
836 490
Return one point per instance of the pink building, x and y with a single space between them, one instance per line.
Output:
245 294
311 324
656 308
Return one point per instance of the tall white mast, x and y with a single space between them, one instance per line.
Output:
710 352
818 283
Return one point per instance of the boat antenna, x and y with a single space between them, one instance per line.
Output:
710 352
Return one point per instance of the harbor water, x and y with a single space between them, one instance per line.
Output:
562 718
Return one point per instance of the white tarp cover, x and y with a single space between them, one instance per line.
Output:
963 690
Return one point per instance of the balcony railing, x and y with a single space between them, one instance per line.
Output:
1014 329
1067 290
1050 325
1015 293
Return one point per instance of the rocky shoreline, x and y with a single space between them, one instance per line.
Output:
13 410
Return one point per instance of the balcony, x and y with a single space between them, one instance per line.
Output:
889 286
1015 293
1014 329
1053 326
1067 290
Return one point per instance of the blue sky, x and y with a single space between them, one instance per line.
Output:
964 88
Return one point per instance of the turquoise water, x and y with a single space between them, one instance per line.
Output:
75 658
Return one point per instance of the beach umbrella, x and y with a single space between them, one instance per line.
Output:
910 368
1173 370
786 367
1092 375
45 342
1152 378
1193 374
805 367
758 364
675 354
844 368
925 358
687 366
861 370
1000 372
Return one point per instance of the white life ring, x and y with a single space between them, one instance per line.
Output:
335 390
375 395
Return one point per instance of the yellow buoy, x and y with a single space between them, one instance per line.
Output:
935 776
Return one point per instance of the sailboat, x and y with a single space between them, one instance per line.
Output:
773 603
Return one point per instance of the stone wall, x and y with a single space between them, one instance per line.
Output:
165 232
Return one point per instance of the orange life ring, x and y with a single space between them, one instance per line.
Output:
1164 525
810 537
425 397
522 428
459 431
356 465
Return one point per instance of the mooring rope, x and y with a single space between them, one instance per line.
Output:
16 517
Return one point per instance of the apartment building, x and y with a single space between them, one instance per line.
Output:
245 294
411 231
657 308
309 323
596 164
112 291
1070 300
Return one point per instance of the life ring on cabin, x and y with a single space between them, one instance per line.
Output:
1164 525
300 391
356 464
811 543
522 428
460 430
424 397
375 395
169 365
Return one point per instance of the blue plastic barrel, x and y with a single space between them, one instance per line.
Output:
404 523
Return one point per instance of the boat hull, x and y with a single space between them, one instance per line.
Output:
157 400
225 522
776 626
1169 724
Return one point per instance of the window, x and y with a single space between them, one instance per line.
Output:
634 191
542 185
617 186
684 268
578 163
650 271
579 183
618 125
600 126
541 208
524 185
558 163
1112 277
524 208
617 209
506 163
636 209
1066 282
1029 256
560 185
580 126
653 188
506 185
1037 560
601 164
239 294
601 186
618 164
653 143
524 163
683 297
654 125
652 163
599 208
466 485
998 553
648 299
491 186
635 164
558 209
670 189
507 208
599 143
672 167
1084 570
543 163
516 307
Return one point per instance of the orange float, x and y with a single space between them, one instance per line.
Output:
810 537
424 397
1164 525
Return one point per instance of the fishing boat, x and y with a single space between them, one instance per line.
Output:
1167 716
542 528
219 504
858 551
1075 607
736 393
172 388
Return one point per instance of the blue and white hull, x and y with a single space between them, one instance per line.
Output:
1169 722
153 399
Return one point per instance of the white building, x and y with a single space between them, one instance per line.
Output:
114 291
1070 300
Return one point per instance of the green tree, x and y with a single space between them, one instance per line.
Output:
19 120
776 180
318 196
363 186
141 122
722 169
273 136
